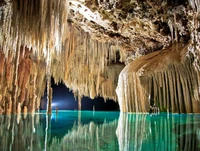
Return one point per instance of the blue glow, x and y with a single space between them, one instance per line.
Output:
54 104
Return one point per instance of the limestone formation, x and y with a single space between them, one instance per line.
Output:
165 78
86 44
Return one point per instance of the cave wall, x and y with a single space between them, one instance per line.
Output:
86 44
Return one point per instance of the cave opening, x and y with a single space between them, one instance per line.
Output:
63 98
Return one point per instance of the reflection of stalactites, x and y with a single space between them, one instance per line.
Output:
131 131
141 131
120 131
8 121
46 131
92 136
33 122
92 129
18 118
20 135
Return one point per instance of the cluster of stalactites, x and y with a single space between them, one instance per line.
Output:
166 79
69 54
22 82
39 25
87 66
174 90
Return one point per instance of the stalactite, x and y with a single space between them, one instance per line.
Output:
52 21
15 80
93 74
18 108
79 102
26 74
8 105
49 96
25 111
170 24
39 30
70 54
39 34
128 133
34 93
170 83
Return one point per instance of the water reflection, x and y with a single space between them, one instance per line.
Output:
142 132
99 131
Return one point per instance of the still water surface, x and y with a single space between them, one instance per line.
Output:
99 131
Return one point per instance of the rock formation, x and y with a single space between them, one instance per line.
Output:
24 132
165 78
129 132
86 44
162 132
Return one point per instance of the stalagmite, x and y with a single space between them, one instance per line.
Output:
18 108
25 110
79 102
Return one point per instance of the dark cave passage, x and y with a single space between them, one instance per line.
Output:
64 99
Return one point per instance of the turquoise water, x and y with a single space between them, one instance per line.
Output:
99 131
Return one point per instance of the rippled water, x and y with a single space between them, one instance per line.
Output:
99 131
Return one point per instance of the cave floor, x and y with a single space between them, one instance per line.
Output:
99 131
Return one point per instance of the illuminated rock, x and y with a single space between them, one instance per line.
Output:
85 44
165 78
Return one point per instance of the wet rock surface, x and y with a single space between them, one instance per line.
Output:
86 44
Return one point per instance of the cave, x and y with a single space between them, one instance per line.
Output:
132 67
64 99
